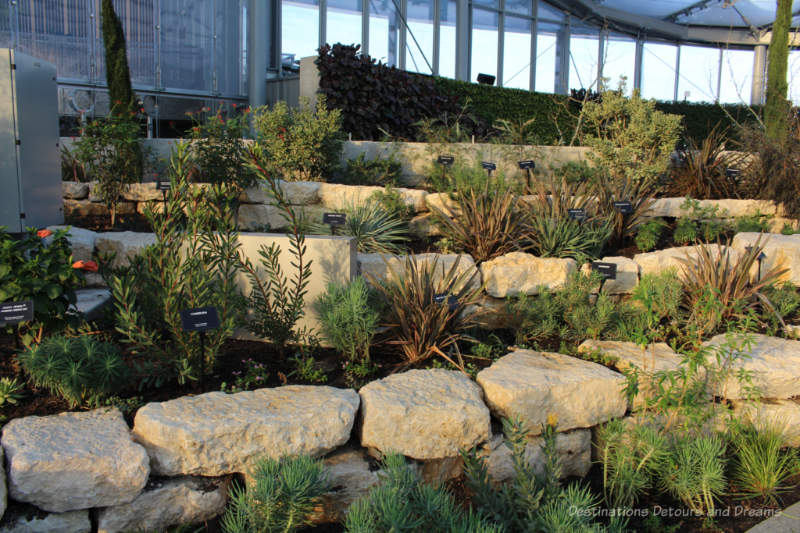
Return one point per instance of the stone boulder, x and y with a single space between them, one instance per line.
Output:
423 414
727 208
627 275
125 244
534 385
574 449
335 196
74 190
778 414
773 362
143 192
32 520
441 201
81 240
380 267
87 208
780 251
260 217
522 273
351 477
215 433
74 461
165 503
296 193
675 258
424 226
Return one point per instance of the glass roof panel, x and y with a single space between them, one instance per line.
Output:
659 9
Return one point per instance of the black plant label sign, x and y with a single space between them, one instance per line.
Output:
489 166
528 164
334 219
626 208
452 301
446 160
200 319
163 185
732 173
578 214
15 312
606 270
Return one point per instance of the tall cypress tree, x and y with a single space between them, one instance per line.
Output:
118 75
776 110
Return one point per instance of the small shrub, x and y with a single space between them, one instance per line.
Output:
761 467
661 296
280 497
648 234
685 231
576 173
375 228
218 148
379 171
694 472
421 325
756 223
461 178
347 319
299 144
79 369
10 391
393 202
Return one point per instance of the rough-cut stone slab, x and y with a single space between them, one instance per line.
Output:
81 240
74 190
533 385
350 477
215 434
336 196
258 217
85 208
165 503
423 414
785 521
126 244
73 461
674 258
778 414
523 273
89 302
441 201
296 193
774 364
574 450
35 521
781 251
627 275
424 225
142 192
381 267
728 208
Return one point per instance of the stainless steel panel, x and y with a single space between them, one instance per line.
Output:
10 194
36 92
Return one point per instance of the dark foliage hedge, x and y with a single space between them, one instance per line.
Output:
375 98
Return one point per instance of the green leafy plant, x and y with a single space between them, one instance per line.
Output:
192 264
694 472
428 308
375 228
37 268
461 178
79 369
393 202
685 231
648 234
761 467
253 376
280 497
347 319
71 168
299 144
378 171
10 391
484 223
756 223
218 148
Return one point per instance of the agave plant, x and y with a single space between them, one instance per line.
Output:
551 231
483 223
428 308
720 284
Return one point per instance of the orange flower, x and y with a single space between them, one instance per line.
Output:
42 233
88 266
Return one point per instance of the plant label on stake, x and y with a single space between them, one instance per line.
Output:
446 160
200 319
334 220
733 173
452 301
624 208
760 259
490 167
577 213
606 270
164 187
12 313
529 165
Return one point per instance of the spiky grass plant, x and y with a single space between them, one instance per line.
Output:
721 285
375 228
79 369
641 195
484 223
694 472
428 308
761 467
281 496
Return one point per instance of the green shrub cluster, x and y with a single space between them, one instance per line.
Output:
218 148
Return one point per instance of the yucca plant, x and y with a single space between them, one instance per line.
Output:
375 228
720 285
641 195
428 308
761 467
484 223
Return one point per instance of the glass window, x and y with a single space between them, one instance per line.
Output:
447 39
186 39
517 53
548 12
383 31
343 22
583 48
698 75
737 76
619 62
546 57
419 40
658 71
523 7
794 77
300 31
488 3
484 43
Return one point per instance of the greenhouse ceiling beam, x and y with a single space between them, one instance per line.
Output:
742 37
697 6
588 10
